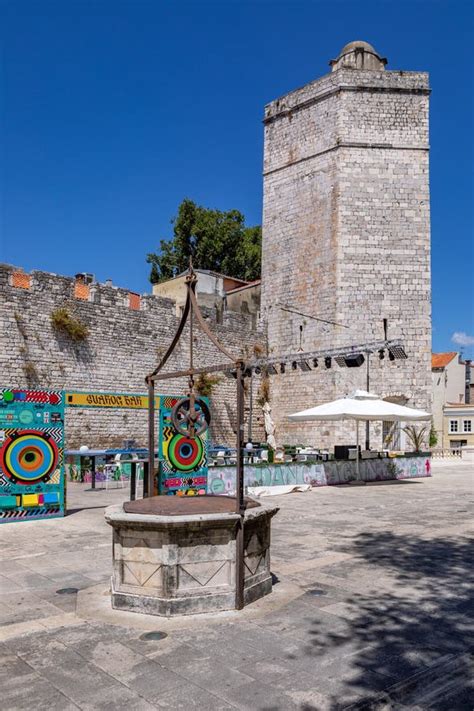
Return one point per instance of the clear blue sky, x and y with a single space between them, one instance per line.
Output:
112 112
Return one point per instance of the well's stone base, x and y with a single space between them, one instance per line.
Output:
182 565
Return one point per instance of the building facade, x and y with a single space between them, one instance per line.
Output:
458 426
346 232
449 374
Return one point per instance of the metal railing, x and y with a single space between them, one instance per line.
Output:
447 453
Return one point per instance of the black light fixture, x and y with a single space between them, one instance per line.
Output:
257 370
315 362
354 361
327 361
381 354
294 365
282 367
398 353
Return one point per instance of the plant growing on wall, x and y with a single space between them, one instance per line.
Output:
263 395
31 373
433 437
205 384
416 435
65 322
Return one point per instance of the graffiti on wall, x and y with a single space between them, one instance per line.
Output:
183 460
221 480
31 454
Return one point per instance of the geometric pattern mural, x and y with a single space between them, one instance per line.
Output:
183 460
31 454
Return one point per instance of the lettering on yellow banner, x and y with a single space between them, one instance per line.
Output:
108 400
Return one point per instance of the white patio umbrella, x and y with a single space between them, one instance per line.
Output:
364 406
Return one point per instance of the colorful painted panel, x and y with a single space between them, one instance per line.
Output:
31 454
183 460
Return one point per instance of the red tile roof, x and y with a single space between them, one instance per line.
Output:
441 360
245 286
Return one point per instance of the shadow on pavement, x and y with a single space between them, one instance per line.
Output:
71 512
413 640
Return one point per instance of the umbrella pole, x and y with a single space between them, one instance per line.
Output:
357 449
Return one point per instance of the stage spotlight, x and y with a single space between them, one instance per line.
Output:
355 361
327 361
381 354
391 355
294 365
398 353
315 362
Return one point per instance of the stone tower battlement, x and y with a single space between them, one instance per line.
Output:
346 228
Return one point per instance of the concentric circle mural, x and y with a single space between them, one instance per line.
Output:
185 454
29 457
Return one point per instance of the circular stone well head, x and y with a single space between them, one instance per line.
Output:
185 505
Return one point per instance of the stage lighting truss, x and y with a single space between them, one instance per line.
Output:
348 357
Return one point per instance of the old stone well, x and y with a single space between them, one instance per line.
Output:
179 556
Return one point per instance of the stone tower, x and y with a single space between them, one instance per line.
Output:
346 233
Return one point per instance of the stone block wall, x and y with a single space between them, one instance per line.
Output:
346 237
127 335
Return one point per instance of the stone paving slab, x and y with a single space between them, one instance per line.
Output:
370 610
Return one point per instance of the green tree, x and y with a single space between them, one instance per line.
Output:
216 240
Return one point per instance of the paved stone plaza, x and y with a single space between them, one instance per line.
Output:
370 610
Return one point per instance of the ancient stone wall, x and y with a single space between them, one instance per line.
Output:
346 237
127 334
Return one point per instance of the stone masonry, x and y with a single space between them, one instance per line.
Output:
346 233
128 333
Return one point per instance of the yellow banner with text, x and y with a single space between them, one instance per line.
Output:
136 402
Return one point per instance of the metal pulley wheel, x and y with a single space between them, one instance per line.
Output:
190 416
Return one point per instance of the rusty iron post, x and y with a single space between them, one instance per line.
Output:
145 479
239 499
133 481
150 489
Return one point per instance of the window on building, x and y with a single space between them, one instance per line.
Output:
453 426
467 426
